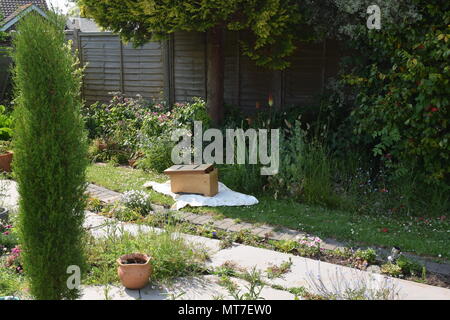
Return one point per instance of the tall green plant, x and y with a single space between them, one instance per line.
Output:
50 155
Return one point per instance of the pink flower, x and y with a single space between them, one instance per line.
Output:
16 250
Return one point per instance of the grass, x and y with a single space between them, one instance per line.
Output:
11 282
123 179
429 237
171 257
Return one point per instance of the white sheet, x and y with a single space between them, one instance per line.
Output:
225 197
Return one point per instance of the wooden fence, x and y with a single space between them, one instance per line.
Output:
175 70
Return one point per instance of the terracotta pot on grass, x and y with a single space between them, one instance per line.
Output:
5 161
134 270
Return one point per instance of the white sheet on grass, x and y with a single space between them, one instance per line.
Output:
225 197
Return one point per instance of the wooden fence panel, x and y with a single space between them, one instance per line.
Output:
189 65
175 70
111 66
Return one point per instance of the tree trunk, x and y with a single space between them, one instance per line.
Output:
215 75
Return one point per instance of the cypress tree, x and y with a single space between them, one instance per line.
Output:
50 155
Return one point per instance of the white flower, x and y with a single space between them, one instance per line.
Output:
135 199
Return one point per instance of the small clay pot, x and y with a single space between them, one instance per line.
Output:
5 161
134 270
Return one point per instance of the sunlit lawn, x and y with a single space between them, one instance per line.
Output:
425 237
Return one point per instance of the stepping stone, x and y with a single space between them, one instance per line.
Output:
103 194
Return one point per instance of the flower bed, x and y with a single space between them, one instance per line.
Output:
309 247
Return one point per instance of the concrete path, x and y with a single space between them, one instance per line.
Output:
192 288
316 276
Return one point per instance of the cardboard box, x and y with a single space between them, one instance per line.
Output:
198 179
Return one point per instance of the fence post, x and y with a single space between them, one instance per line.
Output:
122 83
168 62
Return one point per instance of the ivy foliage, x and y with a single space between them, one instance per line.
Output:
393 91
273 25
404 90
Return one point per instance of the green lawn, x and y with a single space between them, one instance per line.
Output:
424 237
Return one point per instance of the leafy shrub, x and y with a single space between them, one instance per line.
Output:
186 113
305 170
244 178
102 119
391 269
125 128
116 125
109 150
50 155
403 92
6 124
408 266
368 255
157 155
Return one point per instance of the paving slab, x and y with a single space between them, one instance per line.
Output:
109 292
102 193
189 288
316 275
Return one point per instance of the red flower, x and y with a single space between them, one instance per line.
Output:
434 109
384 230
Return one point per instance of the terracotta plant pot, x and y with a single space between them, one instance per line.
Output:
5 161
134 270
